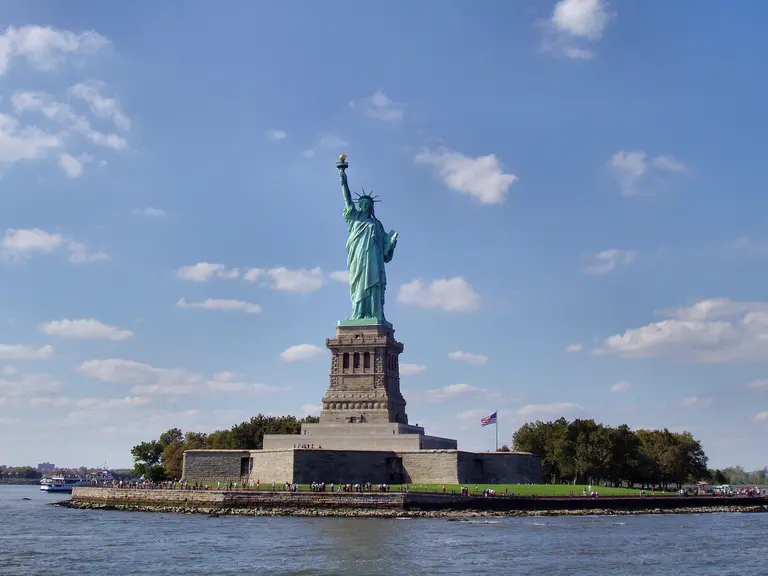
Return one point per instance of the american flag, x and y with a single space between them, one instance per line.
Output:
488 420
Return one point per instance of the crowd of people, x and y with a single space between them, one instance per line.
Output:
333 487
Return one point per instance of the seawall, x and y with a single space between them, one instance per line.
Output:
375 504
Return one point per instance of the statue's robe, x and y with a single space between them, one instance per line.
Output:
368 249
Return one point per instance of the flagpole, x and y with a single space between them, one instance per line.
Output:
497 431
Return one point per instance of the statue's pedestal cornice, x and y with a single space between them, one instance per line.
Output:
363 322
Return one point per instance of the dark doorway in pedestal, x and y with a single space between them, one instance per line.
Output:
394 470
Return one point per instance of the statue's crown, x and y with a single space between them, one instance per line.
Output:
366 195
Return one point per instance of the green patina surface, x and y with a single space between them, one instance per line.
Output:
369 248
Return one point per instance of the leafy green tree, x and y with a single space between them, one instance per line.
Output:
584 451
146 458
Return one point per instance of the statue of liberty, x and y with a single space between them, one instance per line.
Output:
368 249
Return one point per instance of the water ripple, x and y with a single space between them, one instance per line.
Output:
39 539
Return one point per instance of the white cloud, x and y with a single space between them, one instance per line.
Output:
25 352
468 357
146 379
277 134
380 107
24 143
23 243
88 411
28 385
574 348
73 166
203 271
149 211
107 140
165 389
45 47
478 413
695 402
410 369
302 352
340 276
630 169
710 331
481 177
95 404
450 392
582 18
102 107
574 26
620 387
231 382
300 280
57 401
750 245
758 385
669 164
548 410
311 410
64 115
475 413
450 294
761 416
88 329
9 370
81 254
221 304
326 141
608 260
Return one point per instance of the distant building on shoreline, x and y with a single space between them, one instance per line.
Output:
46 467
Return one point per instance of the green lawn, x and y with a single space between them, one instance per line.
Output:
529 489
518 489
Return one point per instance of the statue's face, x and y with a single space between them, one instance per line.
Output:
364 205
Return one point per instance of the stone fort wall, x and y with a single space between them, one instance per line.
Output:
305 466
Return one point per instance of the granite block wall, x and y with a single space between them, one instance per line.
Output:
498 467
346 466
137 496
424 467
359 466
250 498
213 465
272 466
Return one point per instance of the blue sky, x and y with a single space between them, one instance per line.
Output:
581 218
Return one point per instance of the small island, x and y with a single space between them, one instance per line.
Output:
363 457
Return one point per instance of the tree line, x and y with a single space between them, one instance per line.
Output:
163 458
20 473
585 452
575 452
737 475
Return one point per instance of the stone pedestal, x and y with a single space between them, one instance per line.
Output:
364 382
363 408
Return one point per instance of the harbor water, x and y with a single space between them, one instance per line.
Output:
40 539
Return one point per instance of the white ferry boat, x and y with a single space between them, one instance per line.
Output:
59 484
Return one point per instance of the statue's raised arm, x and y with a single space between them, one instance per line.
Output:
342 166
369 248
